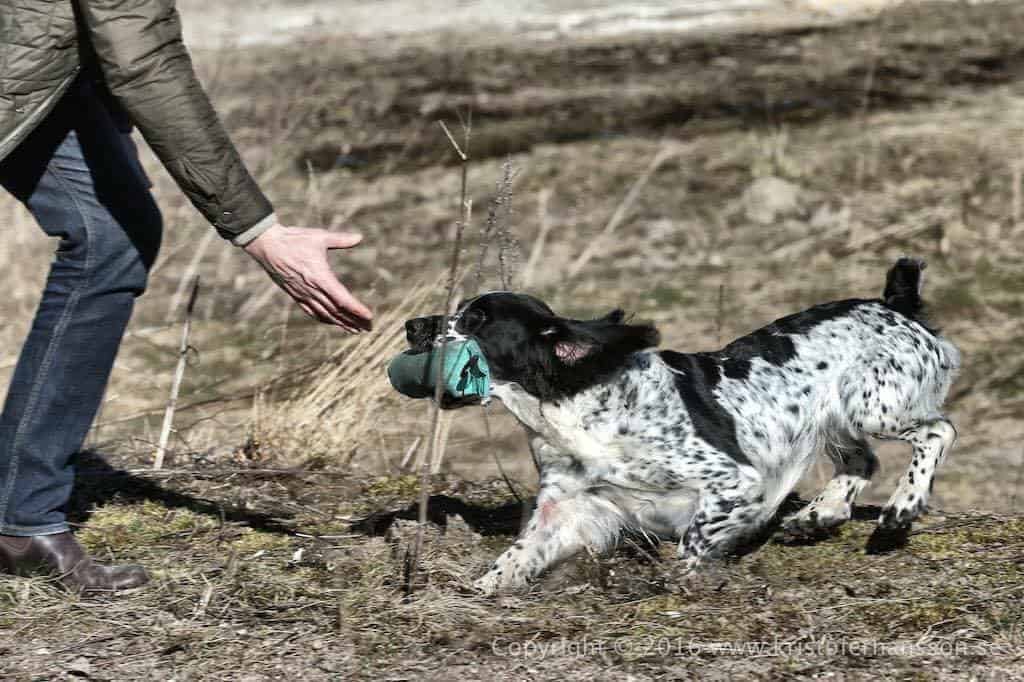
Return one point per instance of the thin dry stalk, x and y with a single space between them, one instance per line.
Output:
508 247
410 452
664 153
341 381
537 252
204 601
1017 201
720 313
865 110
334 410
453 276
179 375
497 459
256 434
441 446
497 227
189 275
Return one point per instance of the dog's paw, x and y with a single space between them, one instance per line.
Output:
486 585
905 505
816 518
900 513
689 561
495 582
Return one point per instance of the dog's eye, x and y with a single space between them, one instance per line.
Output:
550 331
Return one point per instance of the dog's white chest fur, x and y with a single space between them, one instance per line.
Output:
558 425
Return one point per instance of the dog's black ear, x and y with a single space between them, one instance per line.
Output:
569 355
615 317
605 340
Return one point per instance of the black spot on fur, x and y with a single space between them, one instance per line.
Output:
736 368
697 375
773 343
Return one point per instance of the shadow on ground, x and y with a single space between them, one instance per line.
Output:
98 482
506 519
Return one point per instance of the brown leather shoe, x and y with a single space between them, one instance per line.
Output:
62 556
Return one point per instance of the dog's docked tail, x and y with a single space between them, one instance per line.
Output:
903 287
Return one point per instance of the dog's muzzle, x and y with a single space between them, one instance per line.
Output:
420 332
459 365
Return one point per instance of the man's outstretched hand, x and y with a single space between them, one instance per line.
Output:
296 258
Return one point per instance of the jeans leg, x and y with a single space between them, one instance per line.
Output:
80 178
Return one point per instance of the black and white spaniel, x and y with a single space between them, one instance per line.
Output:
704 447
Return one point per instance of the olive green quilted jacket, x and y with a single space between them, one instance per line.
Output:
136 47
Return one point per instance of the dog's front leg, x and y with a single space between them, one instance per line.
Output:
563 524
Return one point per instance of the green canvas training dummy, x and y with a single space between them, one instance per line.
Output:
465 373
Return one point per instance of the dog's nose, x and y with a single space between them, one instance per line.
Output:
420 332
416 327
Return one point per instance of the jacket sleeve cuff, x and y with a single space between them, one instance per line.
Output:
247 237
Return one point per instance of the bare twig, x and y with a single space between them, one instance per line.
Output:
441 445
410 452
497 226
458 149
1016 201
720 313
204 601
497 460
190 274
179 374
508 248
537 252
436 446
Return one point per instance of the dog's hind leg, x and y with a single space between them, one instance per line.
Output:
724 518
563 524
855 464
898 394
932 440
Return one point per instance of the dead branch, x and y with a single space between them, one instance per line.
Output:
179 375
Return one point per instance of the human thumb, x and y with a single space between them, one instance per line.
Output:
343 240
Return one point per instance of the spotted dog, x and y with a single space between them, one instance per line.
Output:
705 446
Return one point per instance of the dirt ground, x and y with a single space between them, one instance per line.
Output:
724 178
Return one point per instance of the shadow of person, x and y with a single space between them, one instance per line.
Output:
97 483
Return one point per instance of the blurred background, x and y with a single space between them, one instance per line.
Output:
709 165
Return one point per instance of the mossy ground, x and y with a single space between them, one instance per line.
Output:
271 590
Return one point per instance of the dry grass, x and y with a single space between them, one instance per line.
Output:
346 414
237 595
287 432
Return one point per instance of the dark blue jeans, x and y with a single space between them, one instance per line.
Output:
78 174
